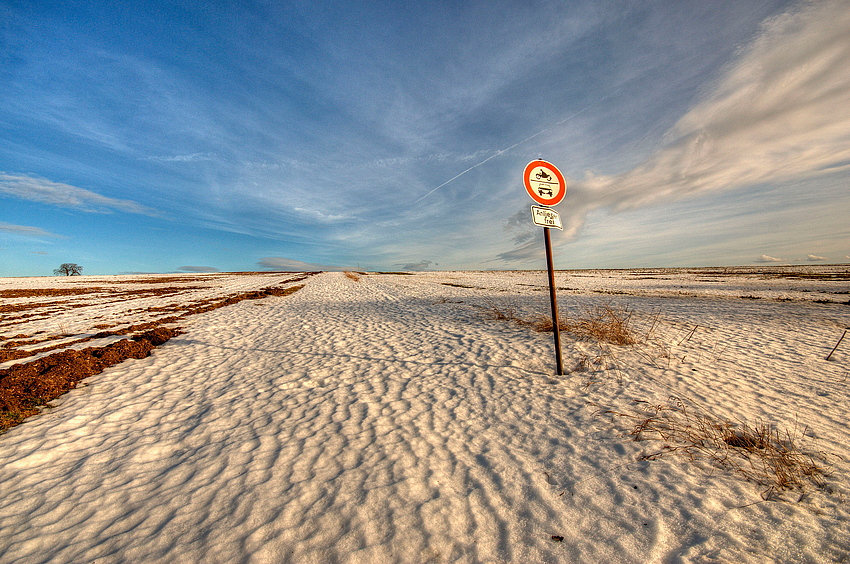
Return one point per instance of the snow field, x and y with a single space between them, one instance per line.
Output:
387 420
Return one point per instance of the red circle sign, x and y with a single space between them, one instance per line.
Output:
544 183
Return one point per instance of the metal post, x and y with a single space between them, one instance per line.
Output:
836 344
554 301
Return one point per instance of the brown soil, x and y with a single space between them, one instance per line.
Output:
120 295
14 308
23 342
19 336
22 318
167 280
26 387
144 292
39 292
184 310
13 355
8 351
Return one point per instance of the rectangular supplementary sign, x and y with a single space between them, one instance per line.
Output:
546 217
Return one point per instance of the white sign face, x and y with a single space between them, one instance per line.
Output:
546 217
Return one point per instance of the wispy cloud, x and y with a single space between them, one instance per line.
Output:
45 191
767 258
321 216
197 269
193 158
379 135
815 258
26 230
780 111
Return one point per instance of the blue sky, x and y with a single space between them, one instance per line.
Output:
199 136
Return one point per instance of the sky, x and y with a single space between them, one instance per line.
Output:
327 135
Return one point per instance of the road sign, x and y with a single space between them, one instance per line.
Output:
546 186
544 183
546 217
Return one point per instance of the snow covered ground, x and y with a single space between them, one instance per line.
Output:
41 314
390 419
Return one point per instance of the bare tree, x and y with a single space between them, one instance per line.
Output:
68 269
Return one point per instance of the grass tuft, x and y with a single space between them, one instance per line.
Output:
506 312
605 323
761 452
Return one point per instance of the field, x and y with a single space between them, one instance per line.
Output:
417 417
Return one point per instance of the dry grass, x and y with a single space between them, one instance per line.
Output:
352 275
761 453
605 323
501 312
777 459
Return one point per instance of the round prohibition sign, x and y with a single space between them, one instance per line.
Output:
544 183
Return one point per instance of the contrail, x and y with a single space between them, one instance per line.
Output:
497 153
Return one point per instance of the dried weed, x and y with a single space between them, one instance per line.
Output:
605 323
501 312
760 452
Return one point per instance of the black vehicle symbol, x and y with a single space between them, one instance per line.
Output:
542 175
544 191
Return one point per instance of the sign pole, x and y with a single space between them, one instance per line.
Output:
547 186
553 298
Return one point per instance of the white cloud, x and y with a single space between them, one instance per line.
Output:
285 264
42 190
25 230
421 265
781 111
814 258
766 258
